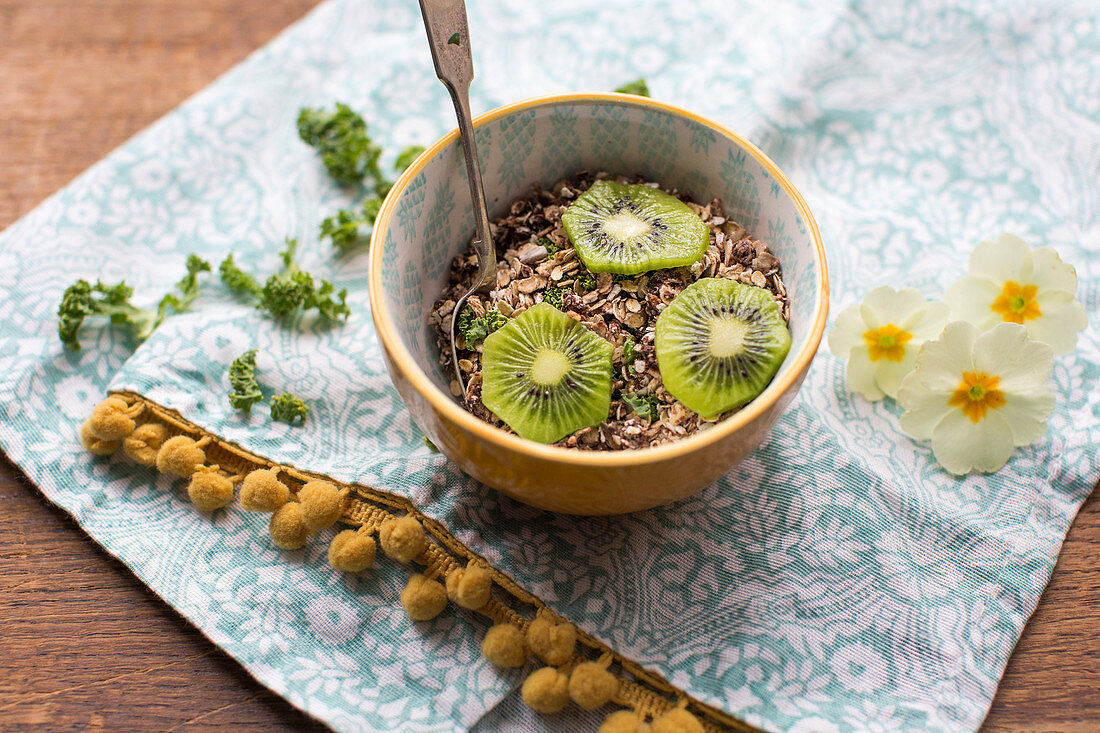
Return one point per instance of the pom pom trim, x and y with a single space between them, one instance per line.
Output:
648 695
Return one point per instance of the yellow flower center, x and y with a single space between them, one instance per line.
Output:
977 392
1016 303
887 342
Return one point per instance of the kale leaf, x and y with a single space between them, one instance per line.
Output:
242 379
289 409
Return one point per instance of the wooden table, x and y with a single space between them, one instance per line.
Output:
83 644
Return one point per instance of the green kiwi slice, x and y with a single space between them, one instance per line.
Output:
545 375
630 228
719 343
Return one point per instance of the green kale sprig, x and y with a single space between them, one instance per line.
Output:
553 296
638 87
406 157
340 137
245 390
474 329
238 280
351 227
288 291
289 409
551 247
644 406
83 300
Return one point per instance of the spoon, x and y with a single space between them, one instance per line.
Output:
449 38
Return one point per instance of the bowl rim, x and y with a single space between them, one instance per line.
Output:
444 403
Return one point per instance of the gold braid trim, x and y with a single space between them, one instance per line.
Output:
646 693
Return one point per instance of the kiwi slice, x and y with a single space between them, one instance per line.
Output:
632 228
719 343
545 375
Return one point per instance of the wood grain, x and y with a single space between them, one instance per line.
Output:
84 644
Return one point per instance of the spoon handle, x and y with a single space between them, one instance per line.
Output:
448 36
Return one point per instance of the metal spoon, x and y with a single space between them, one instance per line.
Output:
449 38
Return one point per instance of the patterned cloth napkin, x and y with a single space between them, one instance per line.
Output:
836 580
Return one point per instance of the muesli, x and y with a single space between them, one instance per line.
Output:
538 264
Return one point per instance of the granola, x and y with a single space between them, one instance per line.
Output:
536 262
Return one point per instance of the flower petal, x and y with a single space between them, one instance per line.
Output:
861 374
1059 325
885 305
1006 259
1006 351
847 333
931 323
924 407
1026 414
1050 273
971 299
888 374
940 363
961 445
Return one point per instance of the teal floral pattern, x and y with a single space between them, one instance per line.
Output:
836 580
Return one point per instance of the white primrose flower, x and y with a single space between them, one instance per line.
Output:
1010 282
978 395
881 336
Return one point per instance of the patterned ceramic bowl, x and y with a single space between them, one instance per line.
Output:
426 220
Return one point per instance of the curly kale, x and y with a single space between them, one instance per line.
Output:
406 157
474 329
340 137
237 279
82 300
553 296
638 87
548 243
289 409
350 228
288 291
245 390
644 406
292 288
629 351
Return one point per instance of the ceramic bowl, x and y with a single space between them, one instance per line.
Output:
426 220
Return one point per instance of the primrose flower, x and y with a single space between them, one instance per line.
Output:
978 395
1010 282
881 336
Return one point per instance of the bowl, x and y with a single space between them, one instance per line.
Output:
426 220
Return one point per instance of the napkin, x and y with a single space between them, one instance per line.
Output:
838 579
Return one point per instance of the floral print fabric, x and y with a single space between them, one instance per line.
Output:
836 580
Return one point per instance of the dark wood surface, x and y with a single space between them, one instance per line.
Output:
83 644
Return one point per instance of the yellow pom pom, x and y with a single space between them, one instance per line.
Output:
423 599
113 419
591 686
94 444
144 442
262 491
469 587
180 456
209 490
546 690
551 642
287 528
677 721
351 551
624 721
322 504
402 539
504 646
